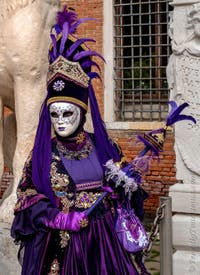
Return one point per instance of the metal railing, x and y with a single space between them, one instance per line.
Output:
162 224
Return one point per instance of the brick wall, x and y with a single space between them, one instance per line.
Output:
162 174
7 176
6 180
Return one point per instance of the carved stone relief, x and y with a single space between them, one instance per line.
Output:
183 73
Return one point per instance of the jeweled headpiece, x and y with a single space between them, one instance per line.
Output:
69 73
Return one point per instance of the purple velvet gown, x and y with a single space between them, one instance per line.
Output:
95 249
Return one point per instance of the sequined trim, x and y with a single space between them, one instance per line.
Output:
55 268
60 185
59 181
80 138
66 204
75 155
86 199
28 192
71 70
88 185
22 196
156 140
65 237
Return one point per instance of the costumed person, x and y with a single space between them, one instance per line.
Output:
67 217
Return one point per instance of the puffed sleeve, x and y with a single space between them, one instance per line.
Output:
31 207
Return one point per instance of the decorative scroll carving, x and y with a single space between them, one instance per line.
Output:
183 74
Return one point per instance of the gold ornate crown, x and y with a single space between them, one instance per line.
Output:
72 71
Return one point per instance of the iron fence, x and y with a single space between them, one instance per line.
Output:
141 51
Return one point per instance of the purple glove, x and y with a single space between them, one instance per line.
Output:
70 221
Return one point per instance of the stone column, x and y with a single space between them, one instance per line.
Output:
183 74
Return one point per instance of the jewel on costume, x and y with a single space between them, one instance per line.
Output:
58 85
80 138
83 223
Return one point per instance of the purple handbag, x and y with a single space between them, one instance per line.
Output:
130 231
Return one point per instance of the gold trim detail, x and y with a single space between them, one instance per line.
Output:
65 237
69 69
22 195
66 204
119 164
156 140
55 267
67 99
80 138
26 193
86 199
75 155
83 223
59 181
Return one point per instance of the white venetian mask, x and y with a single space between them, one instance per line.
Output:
65 118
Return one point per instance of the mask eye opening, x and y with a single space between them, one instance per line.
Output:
54 114
68 114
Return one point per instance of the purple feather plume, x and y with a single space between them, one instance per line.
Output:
65 16
84 54
76 44
93 75
74 27
65 32
51 57
66 25
57 28
175 116
173 107
53 38
89 63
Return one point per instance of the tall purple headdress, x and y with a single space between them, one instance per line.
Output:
69 79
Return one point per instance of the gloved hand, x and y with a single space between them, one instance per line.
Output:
71 221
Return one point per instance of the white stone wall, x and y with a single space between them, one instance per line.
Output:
184 81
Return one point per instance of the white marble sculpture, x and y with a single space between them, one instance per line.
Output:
24 40
183 74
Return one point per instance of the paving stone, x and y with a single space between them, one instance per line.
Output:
8 252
